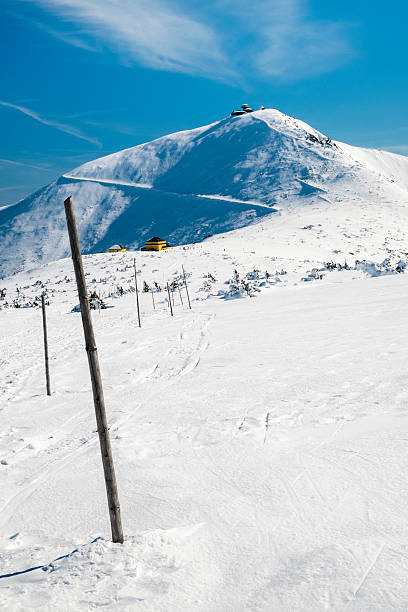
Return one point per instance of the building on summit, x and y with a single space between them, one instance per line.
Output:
242 111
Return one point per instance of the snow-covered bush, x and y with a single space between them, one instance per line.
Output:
373 269
95 303
241 287
314 274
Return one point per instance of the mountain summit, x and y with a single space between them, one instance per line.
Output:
191 184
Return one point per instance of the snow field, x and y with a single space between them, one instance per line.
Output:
258 442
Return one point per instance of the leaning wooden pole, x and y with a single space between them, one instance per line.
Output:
154 305
168 293
93 361
47 367
137 294
185 283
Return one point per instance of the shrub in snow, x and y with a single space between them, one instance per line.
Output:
238 287
207 286
95 303
254 275
210 277
209 280
373 270
313 275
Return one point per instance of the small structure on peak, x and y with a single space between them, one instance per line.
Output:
242 111
156 244
117 248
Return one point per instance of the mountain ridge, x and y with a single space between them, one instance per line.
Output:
194 183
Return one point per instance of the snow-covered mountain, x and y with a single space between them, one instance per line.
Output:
257 435
195 183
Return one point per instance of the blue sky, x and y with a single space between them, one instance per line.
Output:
83 78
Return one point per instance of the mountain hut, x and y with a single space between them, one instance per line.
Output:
156 244
242 111
117 248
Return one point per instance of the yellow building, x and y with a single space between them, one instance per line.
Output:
156 244
116 248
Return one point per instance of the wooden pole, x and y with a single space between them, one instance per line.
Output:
185 283
93 361
154 306
181 299
172 296
168 292
47 367
137 294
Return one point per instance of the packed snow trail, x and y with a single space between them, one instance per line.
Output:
258 448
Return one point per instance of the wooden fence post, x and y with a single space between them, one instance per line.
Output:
47 368
185 283
93 361
137 294
168 293
154 306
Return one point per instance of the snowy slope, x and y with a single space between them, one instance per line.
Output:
259 442
195 183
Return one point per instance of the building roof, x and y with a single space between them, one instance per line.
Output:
244 109
116 246
155 239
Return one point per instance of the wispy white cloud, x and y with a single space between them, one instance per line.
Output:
221 39
296 46
74 39
22 164
11 188
62 127
283 42
155 33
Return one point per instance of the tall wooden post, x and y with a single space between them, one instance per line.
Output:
185 283
137 294
154 305
168 293
93 361
47 367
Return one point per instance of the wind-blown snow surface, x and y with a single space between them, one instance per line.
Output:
192 184
259 443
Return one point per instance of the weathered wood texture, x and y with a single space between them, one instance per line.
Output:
93 361
137 294
185 283
47 365
170 304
